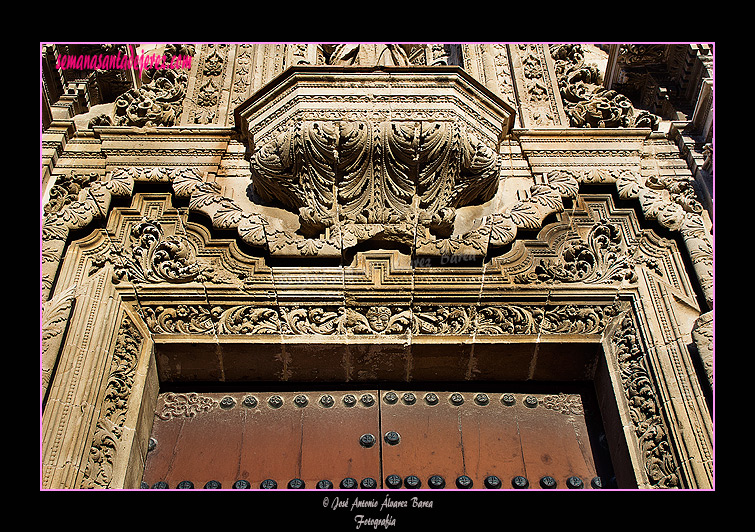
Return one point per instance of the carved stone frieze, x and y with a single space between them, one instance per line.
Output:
379 320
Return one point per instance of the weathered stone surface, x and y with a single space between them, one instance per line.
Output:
378 213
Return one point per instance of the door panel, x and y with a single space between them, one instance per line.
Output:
256 437
315 436
479 435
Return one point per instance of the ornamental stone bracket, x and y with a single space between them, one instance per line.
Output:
381 154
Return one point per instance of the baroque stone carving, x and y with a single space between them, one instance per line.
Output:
369 55
154 257
378 320
185 405
178 319
567 404
644 409
66 190
586 102
55 316
363 176
158 103
599 259
108 431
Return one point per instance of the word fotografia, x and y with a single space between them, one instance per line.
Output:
123 62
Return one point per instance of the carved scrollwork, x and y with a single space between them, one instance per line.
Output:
380 320
644 410
599 259
316 320
154 257
566 404
245 319
109 428
179 319
66 190
574 319
185 405
443 320
509 319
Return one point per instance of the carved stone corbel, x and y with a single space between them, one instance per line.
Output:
360 180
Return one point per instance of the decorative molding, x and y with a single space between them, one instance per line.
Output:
644 406
378 320
55 316
537 89
702 335
109 427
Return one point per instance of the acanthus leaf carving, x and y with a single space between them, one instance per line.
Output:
342 175
599 259
644 409
109 427
153 257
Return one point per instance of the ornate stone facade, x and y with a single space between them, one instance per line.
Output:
378 213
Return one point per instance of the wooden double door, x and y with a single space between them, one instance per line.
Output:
377 439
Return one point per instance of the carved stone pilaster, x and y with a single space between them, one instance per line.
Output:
108 432
659 464
536 86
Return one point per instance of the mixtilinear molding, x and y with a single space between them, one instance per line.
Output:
668 201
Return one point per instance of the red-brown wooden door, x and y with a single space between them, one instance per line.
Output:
371 438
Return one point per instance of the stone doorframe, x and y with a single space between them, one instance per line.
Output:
151 276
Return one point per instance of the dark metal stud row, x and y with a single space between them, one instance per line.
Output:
393 482
349 400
